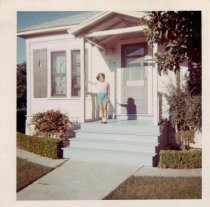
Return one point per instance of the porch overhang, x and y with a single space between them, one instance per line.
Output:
103 39
121 18
107 28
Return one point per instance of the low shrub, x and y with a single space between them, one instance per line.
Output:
51 123
181 159
43 146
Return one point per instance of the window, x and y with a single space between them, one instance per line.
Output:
76 77
58 67
133 61
40 73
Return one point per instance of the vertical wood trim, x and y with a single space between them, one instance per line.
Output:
82 56
68 73
29 83
155 88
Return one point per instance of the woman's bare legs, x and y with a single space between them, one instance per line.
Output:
103 112
104 108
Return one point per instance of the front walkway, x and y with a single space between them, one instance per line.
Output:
82 180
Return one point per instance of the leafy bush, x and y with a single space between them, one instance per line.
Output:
21 86
181 159
184 138
43 146
51 123
185 115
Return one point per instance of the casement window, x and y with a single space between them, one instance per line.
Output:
40 73
76 72
58 74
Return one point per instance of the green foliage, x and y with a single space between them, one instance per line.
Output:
184 138
183 159
43 146
185 110
51 123
180 35
21 85
185 115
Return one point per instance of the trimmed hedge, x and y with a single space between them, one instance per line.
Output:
44 146
181 159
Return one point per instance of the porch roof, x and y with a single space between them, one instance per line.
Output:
107 37
101 29
108 27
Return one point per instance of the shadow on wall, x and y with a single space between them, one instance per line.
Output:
166 140
131 109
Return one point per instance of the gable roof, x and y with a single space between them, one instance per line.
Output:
124 19
60 25
78 23
64 21
107 28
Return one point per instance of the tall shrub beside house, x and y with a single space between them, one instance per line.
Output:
21 97
185 115
179 34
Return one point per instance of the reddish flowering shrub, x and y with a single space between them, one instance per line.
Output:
51 123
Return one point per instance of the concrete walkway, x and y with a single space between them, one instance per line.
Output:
81 180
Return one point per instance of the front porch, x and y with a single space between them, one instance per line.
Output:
131 142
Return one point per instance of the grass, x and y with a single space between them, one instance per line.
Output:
28 172
157 188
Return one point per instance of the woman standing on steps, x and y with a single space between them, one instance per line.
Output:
103 96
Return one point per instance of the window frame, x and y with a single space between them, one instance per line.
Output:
52 78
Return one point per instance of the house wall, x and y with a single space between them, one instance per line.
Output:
97 62
164 84
106 61
109 62
69 105
166 80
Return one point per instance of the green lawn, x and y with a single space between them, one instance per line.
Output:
28 172
158 188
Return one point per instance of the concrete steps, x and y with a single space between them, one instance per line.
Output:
119 141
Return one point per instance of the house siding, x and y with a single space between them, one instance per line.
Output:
106 61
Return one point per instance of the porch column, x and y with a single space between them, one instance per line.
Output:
155 88
82 89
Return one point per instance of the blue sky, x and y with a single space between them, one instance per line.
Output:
27 18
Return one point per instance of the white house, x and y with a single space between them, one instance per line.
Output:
65 55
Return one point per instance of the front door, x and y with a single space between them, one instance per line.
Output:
134 79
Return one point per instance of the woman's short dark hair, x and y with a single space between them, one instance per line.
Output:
99 75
